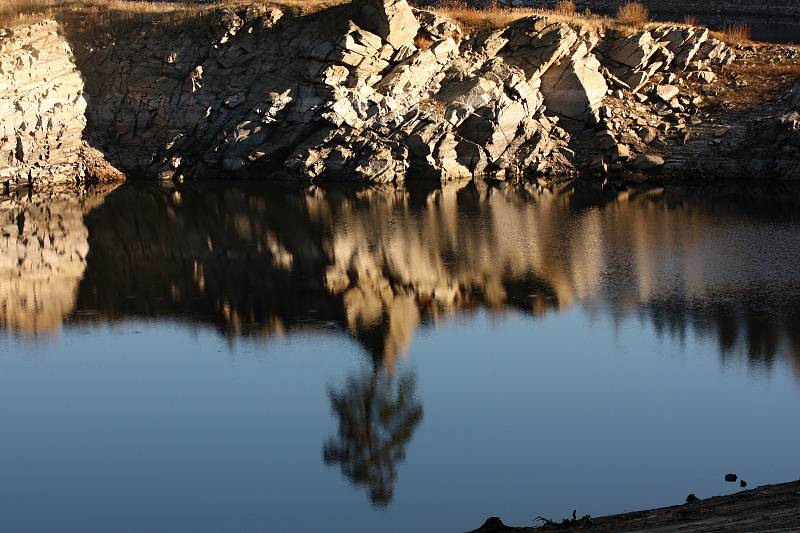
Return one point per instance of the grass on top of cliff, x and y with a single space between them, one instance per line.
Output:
95 14
22 12
495 17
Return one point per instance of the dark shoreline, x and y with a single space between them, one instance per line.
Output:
773 508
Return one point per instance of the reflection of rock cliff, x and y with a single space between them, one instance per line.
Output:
43 248
377 414
379 263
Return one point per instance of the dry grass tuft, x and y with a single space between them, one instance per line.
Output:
738 33
633 14
423 42
691 20
565 7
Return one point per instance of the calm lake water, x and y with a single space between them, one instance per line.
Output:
250 358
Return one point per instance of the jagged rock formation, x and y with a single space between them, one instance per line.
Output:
346 93
41 107
632 60
376 91
43 249
371 91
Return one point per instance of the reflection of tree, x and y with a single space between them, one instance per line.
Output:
378 413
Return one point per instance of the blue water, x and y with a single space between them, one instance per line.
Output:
636 382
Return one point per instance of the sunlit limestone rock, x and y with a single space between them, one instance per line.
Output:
41 107
344 95
392 20
575 88
560 57
634 59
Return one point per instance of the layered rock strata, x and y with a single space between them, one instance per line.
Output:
41 107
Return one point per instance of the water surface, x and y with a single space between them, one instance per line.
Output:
248 358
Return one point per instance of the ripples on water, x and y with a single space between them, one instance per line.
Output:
247 357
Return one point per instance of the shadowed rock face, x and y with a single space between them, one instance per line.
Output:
379 264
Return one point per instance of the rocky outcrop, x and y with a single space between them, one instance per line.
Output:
770 20
634 59
372 91
41 107
347 94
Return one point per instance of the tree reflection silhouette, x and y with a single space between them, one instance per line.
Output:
378 413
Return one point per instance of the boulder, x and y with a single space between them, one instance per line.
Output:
635 50
703 76
392 20
575 89
648 162
667 92
535 44
435 27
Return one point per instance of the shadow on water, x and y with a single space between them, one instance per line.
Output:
261 261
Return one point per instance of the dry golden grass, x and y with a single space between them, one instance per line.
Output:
473 19
691 20
101 12
565 7
633 14
28 11
422 42
738 33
